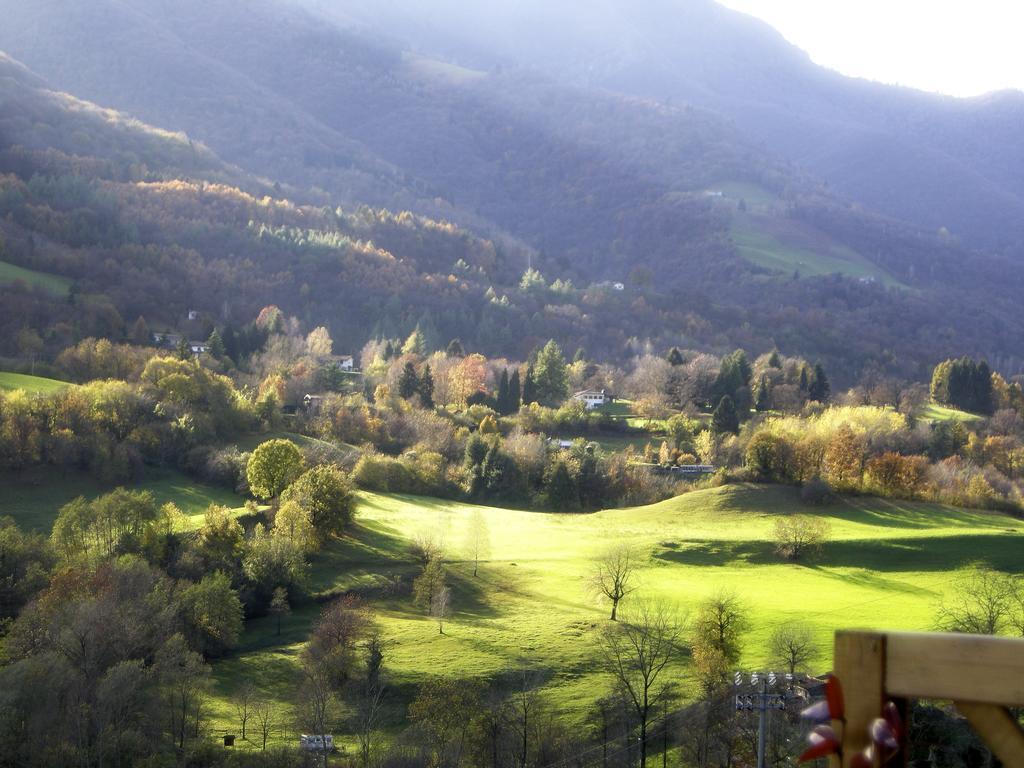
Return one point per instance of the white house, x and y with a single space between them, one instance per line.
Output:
167 339
198 347
345 362
591 398
193 314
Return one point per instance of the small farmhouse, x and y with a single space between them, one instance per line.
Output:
344 362
312 404
198 347
167 339
592 398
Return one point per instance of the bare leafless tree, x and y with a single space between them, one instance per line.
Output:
428 544
525 704
478 539
369 709
614 575
799 536
636 652
317 702
793 646
243 701
985 602
441 607
266 720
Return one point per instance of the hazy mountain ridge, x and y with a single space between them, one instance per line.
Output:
697 51
608 187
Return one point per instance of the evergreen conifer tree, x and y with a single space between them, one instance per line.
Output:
514 394
761 400
551 377
562 493
819 389
725 418
216 344
426 388
504 407
184 350
529 387
408 382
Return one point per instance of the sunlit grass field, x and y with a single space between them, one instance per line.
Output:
12 381
788 247
936 412
887 566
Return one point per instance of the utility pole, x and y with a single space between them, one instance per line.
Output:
761 701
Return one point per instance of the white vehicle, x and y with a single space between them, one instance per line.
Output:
322 743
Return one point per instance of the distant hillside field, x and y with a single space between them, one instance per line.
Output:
936 412
12 273
33 498
887 566
12 381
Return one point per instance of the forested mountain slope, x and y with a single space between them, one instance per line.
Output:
933 160
718 243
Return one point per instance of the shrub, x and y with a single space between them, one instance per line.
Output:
326 494
816 492
799 536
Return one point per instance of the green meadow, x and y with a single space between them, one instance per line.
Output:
34 497
886 566
936 412
11 273
12 381
786 246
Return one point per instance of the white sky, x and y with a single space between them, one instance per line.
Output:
959 47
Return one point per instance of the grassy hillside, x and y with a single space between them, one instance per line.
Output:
12 273
936 412
886 567
34 497
12 381
787 246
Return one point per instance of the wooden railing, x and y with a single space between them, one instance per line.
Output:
982 676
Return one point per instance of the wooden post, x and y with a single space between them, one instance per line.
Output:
999 729
860 667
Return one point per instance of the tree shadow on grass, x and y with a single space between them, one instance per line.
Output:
274 671
1003 552
895 513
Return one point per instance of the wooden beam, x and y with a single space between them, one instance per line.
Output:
860 664
962 668
999 729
